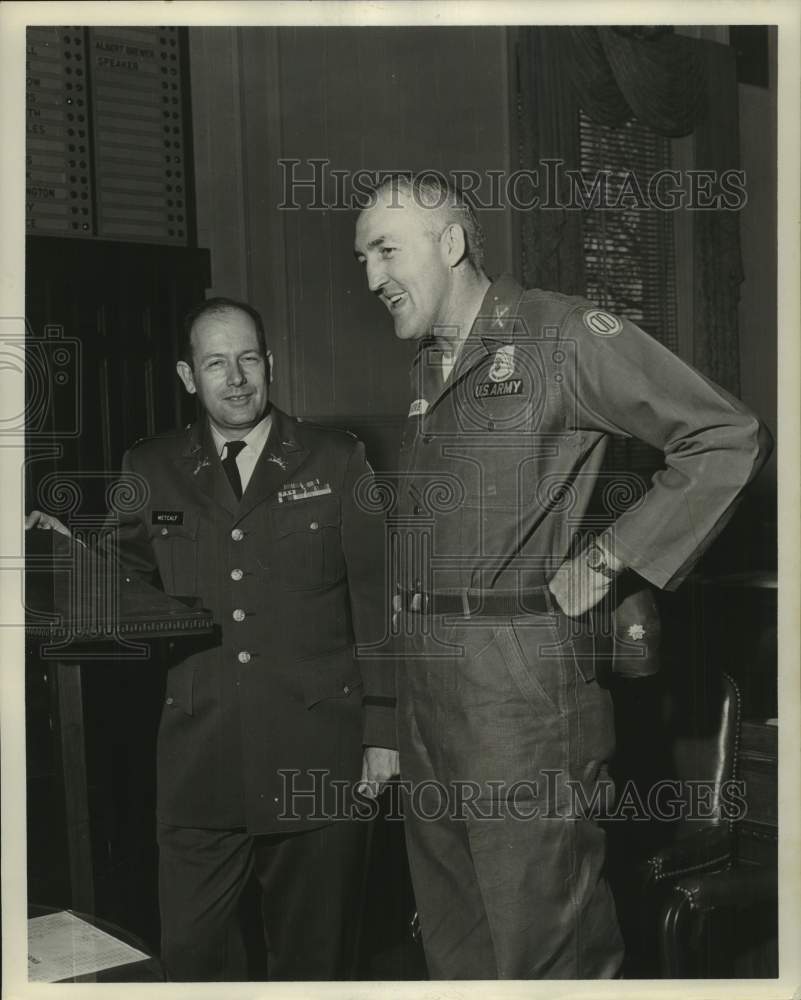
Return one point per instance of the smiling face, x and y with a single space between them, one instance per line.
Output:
406 264
230 372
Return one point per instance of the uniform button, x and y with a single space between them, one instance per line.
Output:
314 526
346 689
236 574
244 656
165 531
170 701
238 615
237 534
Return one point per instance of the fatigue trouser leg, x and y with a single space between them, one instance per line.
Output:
456 933
511 886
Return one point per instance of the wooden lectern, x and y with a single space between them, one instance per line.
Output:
79 605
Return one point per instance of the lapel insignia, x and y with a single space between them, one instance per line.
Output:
503 366
500 312
277 460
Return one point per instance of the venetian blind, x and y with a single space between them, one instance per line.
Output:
629 259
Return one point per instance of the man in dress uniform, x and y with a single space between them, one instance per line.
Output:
256 514
501 719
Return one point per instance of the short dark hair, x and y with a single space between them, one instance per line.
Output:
212 307
430 189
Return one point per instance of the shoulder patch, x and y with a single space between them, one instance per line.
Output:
602 323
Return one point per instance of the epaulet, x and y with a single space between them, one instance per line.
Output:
340 433
549 298
163 436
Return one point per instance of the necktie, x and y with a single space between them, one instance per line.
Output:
232 449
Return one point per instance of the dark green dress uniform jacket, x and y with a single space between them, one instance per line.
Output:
504 457
293 584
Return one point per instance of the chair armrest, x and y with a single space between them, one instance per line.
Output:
706 850
737 888
692 900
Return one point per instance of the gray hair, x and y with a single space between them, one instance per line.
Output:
430 190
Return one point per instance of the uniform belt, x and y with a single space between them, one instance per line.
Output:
470 604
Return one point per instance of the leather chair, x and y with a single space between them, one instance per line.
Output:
682 732
720 924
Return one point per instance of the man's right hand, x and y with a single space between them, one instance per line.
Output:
38 519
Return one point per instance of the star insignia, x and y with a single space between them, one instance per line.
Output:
635 632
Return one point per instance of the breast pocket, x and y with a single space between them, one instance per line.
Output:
308 546
175 548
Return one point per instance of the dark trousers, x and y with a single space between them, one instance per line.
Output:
507 740
311 900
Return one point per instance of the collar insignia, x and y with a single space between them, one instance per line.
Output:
500 312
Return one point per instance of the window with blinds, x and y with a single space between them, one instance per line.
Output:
629 256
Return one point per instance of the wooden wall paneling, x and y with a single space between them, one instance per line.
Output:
218 124
266 269
377 98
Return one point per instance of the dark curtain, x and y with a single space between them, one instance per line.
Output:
646 73
670 83
550 238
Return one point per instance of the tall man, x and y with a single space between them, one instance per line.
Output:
256 513
514 396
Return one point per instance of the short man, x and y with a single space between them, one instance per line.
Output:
514 395
256 514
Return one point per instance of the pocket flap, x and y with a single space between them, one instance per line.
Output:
331 675
161 527
305 515
180 685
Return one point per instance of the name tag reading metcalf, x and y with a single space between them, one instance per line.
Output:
303 491
167 517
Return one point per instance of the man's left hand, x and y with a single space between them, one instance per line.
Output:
38 519
379 765
577 587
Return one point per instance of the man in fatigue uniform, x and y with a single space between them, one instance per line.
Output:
514 396
257 514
